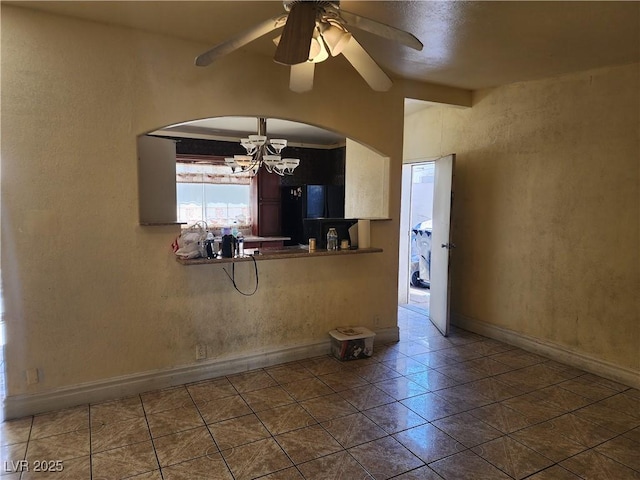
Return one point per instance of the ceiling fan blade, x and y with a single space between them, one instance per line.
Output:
381 29
240 40
301 77
296 35
366 66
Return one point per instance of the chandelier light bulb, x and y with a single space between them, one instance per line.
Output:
271 162
290 164
248 146
243 161
278 144
258 140
231 162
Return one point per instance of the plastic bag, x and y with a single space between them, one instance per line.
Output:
188 243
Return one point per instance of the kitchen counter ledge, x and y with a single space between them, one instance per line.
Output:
279 253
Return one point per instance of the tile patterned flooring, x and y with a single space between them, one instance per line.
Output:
427 407
419 298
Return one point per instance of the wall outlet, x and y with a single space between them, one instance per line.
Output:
376 320
201 351
32 376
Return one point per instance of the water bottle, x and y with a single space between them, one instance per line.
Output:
332 239
240 240
209 245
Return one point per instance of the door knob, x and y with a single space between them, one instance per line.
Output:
448 245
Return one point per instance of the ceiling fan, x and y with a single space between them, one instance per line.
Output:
313 31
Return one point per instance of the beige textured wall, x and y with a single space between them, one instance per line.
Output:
366 182
547 208
89 294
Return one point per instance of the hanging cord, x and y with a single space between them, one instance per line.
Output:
232 277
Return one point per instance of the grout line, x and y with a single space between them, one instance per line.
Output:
208 430
90 445
153 444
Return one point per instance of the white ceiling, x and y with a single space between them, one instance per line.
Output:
470 45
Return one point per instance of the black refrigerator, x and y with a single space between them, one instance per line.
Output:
308 201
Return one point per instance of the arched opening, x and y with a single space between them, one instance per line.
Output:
197 168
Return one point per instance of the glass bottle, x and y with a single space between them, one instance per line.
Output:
240 243
332 239
209 242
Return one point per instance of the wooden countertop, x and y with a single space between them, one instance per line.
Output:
278 253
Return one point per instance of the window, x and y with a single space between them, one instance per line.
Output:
210 192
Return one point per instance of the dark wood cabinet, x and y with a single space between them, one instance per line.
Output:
269 222
317 166
265 201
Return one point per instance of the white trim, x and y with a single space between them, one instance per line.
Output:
552 350
404 246
16 406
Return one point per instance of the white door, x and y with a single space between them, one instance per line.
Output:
441 243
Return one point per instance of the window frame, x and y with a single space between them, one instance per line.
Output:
219 160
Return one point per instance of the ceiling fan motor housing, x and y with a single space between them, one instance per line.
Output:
322 4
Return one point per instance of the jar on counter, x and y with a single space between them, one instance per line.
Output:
332 239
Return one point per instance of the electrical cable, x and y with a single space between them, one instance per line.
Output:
232 277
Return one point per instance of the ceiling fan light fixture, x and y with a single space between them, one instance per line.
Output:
314 49
312 31
318 52
335 37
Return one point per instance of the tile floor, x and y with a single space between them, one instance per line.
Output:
419 299
428 407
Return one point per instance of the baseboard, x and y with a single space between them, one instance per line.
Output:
386 335
17 406
550 350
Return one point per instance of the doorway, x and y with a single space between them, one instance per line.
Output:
418 182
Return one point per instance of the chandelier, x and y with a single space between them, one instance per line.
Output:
262 151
